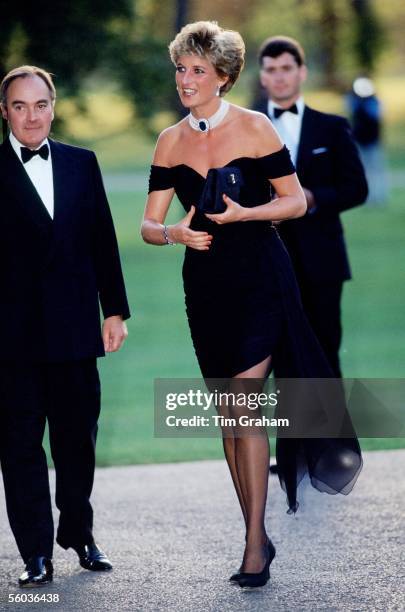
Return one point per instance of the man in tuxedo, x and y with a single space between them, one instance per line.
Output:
332 176
58 259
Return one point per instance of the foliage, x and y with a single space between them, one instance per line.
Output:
332 34
123 43
70 39
368 38
146 77
141 62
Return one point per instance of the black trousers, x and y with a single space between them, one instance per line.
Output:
322 305
67 395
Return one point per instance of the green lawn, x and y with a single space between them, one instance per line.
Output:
159 343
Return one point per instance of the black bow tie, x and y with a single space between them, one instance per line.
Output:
279 111
27 154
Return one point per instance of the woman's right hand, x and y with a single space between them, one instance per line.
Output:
181 233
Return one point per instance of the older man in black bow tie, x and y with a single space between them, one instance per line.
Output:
332 176
59 259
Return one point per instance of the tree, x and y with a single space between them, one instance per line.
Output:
141 62
182 10
368 39
329 32
70 39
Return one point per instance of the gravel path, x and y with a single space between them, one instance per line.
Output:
174 534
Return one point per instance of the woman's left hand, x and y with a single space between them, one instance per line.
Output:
234 212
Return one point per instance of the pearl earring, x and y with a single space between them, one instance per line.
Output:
218 90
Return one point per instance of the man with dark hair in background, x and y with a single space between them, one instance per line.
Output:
332 176
58 259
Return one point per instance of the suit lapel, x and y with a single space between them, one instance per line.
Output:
62 181
304 135
19 186
306 138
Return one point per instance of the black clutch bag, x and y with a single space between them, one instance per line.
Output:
220 180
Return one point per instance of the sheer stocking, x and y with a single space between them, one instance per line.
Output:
247 454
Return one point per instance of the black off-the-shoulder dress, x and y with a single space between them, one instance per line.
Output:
243 305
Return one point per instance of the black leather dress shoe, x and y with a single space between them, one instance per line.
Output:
38 571
92 558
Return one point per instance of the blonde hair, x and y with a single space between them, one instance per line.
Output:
225 49
23 72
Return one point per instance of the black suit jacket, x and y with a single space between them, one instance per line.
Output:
54 273
329 165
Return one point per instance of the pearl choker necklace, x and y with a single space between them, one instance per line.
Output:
204 125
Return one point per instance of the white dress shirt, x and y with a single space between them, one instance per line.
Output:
39 171
288 126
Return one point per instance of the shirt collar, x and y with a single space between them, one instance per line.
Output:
300 106
16 144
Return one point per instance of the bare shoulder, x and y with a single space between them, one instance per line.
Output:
166 143
258 126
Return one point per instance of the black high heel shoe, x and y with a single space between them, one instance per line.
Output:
235 577
253 580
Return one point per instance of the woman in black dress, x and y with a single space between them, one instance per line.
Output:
242 302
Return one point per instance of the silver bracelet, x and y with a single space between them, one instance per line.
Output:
166 236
